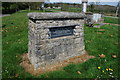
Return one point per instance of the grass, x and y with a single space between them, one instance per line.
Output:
73 9
15 43
111 20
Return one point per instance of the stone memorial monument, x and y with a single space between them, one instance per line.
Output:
54 37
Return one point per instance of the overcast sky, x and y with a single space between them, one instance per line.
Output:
102 2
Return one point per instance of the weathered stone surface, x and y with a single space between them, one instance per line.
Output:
50 57
42 49
58 15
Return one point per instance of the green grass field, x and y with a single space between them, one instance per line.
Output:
98 41
111 20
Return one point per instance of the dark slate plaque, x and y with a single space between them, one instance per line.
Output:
61 31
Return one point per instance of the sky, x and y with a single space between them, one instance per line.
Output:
102 2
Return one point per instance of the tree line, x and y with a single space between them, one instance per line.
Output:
10 7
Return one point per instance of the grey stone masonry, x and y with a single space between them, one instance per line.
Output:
54 37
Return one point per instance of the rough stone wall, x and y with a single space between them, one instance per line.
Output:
43 50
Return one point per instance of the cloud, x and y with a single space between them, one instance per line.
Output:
104 0
71 1
79 1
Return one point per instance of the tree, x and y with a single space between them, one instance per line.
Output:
14 6
29 5
6 5
92 6
97 3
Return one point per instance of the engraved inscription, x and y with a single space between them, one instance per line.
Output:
61 31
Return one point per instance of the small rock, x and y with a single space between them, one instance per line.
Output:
114 56
78 72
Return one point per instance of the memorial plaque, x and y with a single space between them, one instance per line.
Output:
61 31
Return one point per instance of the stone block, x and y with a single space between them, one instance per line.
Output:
44 49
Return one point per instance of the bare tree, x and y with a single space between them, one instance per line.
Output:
97 3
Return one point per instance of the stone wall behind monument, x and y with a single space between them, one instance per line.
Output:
43 48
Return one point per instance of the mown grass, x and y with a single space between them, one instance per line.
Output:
112 20
15 43
72 9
